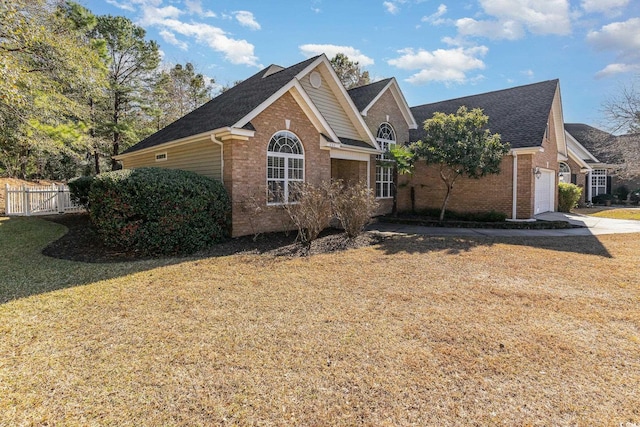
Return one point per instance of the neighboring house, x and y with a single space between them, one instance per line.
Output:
598 152
282 126
530 119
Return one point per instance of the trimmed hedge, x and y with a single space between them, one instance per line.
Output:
79 190
159 211
568 196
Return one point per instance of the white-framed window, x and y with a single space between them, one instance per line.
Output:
598 182
564 174
386 138
285 167
161 157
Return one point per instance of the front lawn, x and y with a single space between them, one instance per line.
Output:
614 213
412 331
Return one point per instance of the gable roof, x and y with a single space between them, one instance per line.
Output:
519 114
598 142
363 95
228 107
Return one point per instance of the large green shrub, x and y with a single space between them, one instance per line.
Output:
79 190
159 211
568 196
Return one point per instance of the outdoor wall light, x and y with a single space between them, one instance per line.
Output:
537 173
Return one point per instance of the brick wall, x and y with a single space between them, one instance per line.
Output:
245 167
385 110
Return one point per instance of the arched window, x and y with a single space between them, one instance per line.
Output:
285 167
565 173
386 138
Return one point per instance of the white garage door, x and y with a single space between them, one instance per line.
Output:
545 192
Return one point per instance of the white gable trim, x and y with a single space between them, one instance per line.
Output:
579 148
558 120
573 156
400 100
351 110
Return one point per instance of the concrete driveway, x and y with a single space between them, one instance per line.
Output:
590 226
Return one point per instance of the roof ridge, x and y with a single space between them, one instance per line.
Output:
488 93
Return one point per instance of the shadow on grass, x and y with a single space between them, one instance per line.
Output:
453 245
25 271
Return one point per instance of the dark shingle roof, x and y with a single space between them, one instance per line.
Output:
225 109
363 95
600 143
518 114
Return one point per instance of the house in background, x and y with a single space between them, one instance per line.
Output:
598 151
530 119
282 126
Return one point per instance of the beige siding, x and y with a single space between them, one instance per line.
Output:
202 157
330 108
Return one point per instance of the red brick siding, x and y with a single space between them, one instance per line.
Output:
245 164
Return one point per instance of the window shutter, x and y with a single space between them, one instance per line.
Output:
608 185
574 178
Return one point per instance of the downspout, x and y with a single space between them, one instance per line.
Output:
218 142
514 203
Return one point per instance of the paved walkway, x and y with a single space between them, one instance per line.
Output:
591 226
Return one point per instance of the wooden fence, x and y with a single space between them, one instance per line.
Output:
49 200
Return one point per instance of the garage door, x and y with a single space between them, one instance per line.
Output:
545 192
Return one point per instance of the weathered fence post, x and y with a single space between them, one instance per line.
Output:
60 200
26 203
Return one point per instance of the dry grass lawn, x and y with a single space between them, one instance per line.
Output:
413 331
614 213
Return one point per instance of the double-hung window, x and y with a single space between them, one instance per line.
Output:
285 167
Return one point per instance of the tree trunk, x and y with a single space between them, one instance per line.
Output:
96 159
444 204
116 132
394 209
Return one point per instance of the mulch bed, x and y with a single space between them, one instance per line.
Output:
82 243
511 225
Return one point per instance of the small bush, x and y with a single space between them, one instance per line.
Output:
621 192
635 196
602 199
482 216
353 205
159 211
79 190
311 212
568 196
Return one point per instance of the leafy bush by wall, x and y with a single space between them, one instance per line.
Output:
568 196
159 211
79 190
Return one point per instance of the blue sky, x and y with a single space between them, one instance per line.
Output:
436 49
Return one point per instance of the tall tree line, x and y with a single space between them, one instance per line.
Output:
77 89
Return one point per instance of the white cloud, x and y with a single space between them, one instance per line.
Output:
195 8
246 19
170 37
166 19
510 30
607 7
332 50
391 7
441 65
623 38
613 69
436 17
123 6
316 9
512 17
528 73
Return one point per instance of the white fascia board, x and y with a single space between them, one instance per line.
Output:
578 148
558 119
400 100
526 150
352 111
573 156
349 155
174 143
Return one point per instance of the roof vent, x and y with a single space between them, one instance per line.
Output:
272 70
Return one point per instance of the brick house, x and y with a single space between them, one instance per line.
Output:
285 125
530 119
